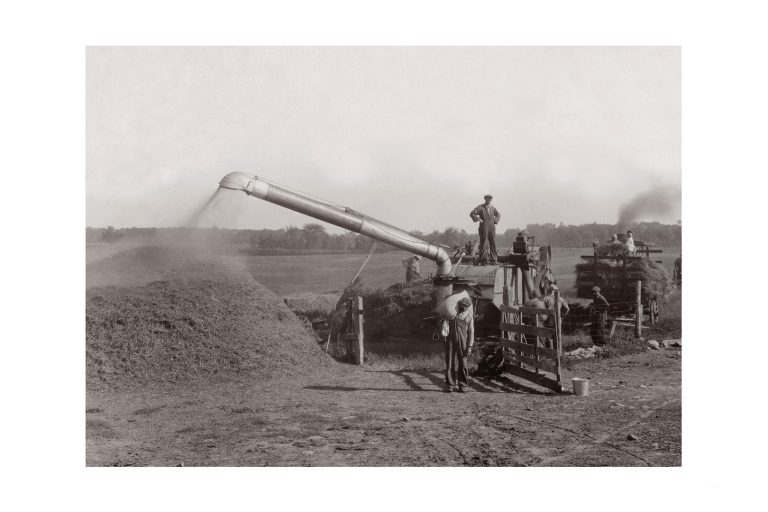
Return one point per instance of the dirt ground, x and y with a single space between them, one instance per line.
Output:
377 416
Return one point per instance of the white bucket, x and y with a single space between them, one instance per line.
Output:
448 308
580 386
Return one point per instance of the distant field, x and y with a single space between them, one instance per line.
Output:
320 273
328 273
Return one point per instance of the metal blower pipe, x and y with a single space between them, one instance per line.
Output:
256 187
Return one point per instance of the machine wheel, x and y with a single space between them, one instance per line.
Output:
653 311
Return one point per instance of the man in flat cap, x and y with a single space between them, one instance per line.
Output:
598 317
488 216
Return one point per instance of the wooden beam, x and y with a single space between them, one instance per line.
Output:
525 310
638 309
617 257
519 346
359 348
541 364
544 332
365 262
558 338
541 380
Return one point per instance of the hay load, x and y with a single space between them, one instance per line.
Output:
204 320
617 284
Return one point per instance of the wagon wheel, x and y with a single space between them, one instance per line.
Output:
653 307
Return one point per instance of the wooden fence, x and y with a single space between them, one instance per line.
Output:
532 351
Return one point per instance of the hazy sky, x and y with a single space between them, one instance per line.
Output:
413 136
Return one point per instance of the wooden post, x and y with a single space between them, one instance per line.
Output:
624 281
350 329
638 308
517 286
594 275
506 317
365 262
557 342
536 347
505 289
359 347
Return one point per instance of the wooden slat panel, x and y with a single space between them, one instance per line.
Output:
522 347
629 258
541 364
545 332
525 310
533 377
534 311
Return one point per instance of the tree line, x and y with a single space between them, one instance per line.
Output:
314 237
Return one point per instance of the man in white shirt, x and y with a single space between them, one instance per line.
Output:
630 244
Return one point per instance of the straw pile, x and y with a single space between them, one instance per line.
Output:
204 321
315 307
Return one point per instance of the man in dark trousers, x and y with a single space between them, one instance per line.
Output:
599 317
461 337
488 216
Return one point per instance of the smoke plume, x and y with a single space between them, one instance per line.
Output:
659 201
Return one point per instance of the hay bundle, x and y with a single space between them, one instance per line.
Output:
397 311
614 248
656 280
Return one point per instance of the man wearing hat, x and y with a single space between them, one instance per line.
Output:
549 300
599 317
549 303
411 265
461 337
488 216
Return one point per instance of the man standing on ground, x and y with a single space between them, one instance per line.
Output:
488 216
549 300
599 317
411 265
461 337
549 303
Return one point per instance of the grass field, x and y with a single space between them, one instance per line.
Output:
323 273
330 273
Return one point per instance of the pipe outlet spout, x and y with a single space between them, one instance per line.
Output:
236 181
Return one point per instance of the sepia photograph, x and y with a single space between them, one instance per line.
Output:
399 256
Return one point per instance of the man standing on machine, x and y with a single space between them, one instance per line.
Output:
488 216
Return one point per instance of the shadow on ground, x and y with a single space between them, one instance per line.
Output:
425 381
